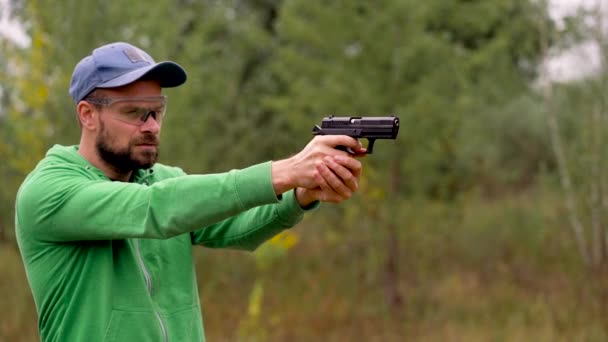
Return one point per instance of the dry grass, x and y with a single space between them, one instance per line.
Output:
479 271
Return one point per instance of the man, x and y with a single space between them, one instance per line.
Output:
106 233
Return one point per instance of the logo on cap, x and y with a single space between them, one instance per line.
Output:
135 55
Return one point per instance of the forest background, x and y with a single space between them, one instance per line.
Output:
486 220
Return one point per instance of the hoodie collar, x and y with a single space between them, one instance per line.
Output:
69 154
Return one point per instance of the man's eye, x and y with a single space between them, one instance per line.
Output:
130 114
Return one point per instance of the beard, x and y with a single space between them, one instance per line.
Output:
126 159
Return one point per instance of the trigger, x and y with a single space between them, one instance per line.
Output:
352 152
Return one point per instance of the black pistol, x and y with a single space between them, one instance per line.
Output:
368 127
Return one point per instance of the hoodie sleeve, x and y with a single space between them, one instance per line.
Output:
62 204
251 228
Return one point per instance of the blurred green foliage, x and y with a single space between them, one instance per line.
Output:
459 230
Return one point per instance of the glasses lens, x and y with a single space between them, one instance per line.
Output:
135 110
137 114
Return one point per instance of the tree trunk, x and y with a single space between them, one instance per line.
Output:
560 155
596 188
393 295
3 234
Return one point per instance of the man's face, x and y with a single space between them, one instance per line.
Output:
124 141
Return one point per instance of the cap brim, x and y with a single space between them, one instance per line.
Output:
169 74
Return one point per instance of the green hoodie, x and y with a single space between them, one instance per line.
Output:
112 261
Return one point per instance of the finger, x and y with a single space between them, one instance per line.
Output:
346 175
326 145
324 192
350 163
341 140
333 181
360 153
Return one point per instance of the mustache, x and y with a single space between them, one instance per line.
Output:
147 139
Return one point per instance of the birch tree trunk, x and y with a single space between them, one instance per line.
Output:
557 146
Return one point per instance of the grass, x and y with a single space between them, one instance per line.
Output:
18 313
474 270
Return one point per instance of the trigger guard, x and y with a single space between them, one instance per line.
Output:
351 151
345 149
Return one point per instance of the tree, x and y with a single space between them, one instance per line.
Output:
577 116
262 73
438 65
23 126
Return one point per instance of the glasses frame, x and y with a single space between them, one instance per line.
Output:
110 100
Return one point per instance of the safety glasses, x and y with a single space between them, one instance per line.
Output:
134 110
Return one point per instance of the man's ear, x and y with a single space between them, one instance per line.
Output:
87 115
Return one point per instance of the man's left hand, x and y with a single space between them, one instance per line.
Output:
337 179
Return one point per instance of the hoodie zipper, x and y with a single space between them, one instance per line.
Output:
148 279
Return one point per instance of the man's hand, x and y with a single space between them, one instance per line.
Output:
337 179
328 174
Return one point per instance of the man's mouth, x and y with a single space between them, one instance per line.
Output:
148 141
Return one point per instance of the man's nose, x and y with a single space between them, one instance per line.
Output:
150 125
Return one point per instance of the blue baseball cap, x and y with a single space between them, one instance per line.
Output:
118 64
